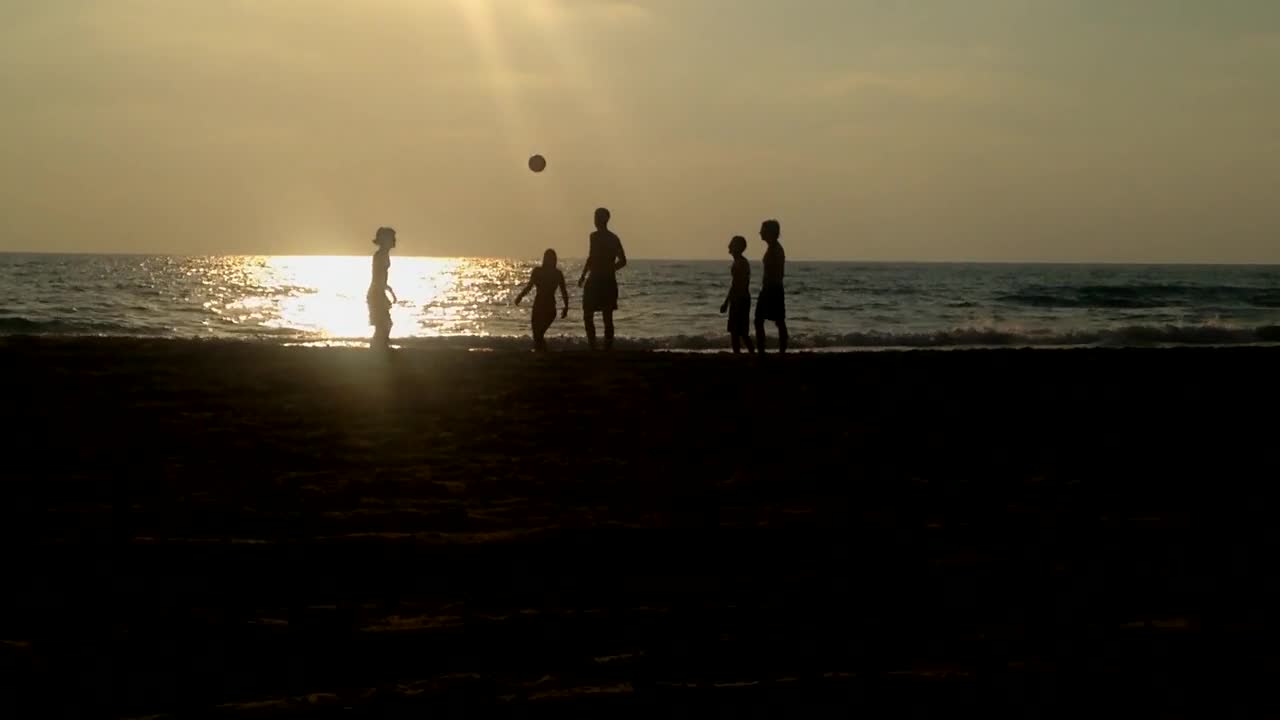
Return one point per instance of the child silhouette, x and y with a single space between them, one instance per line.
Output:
738 302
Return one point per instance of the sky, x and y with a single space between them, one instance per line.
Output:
986 130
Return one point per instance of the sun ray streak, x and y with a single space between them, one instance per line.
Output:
610 128
480 19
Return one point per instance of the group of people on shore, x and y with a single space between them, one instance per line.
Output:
599 283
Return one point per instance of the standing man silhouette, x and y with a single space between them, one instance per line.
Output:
599 279
772 302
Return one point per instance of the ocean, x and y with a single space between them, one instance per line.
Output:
664 305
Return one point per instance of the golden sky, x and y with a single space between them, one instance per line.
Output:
1076 130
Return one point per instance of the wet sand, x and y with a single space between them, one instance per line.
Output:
251 531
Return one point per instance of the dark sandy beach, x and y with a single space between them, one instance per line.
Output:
244 530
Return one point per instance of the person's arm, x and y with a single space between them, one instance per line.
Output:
585 267
394 299
564 293
735 273
525 291
622 257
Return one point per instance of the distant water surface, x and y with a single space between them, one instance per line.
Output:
466 302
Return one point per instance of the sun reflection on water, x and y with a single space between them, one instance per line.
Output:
324 296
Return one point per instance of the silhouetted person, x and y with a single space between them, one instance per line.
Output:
379 303
738 302
545 279
772 302
599 279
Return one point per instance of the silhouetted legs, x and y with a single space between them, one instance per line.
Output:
381 337
589 320
380 319
539 337
782 334
541 322
740 340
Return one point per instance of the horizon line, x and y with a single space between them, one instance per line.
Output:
533 258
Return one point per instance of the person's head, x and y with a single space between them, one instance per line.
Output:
602 218
385 238
737 245
770 231
549 259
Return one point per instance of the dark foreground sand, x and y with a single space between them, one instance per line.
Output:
249 531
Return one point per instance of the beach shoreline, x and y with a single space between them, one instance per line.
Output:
249 530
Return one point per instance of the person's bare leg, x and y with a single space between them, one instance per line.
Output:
381 337
760 335
782 336
589 320
751 347
539 337
737 344
608 329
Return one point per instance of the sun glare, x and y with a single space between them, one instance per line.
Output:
325 295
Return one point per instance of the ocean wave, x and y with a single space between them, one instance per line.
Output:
1140 296
959 337
27 326
1128 336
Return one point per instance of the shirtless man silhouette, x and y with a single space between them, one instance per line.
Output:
599 279
771 304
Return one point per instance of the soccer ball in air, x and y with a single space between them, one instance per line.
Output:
537 163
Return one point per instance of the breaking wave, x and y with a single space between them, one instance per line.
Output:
1131 336
1141 296
1124 336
